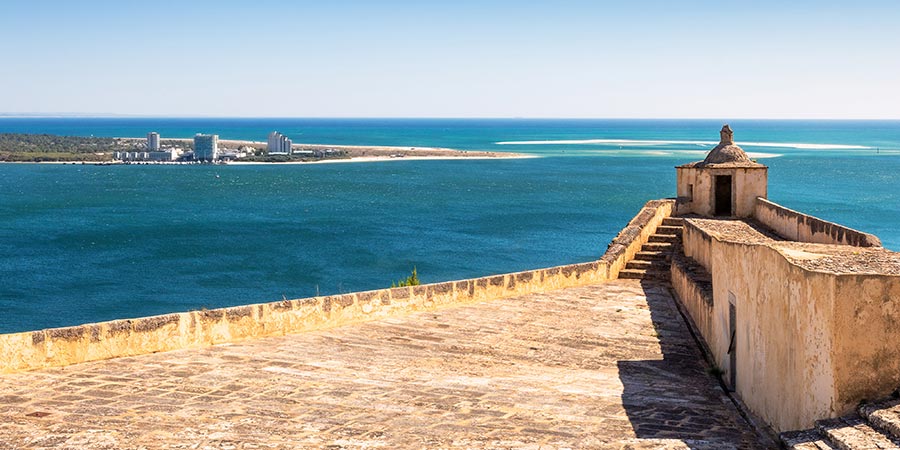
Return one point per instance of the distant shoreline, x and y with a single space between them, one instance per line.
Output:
347 153
370 153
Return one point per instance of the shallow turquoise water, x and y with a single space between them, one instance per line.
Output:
83 243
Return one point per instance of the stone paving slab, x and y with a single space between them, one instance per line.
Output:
605 366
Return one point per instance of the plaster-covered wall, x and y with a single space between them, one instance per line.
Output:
866 337
785 368
809 344
696 189
796 226
695 296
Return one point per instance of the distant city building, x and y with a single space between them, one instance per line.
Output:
279 144
168 155
232 154
206 147
153 141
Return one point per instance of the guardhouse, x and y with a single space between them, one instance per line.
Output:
724 184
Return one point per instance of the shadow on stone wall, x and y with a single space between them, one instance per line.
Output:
676 397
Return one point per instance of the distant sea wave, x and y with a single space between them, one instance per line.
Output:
698 153
640 142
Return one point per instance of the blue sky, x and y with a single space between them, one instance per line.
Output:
341 58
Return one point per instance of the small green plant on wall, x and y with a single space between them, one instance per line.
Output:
411 280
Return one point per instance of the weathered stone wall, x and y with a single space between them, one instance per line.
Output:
64 346
796 226
695 296
866 337
809 344
697 245
71 345
782 333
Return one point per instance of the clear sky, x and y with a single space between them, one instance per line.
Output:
460 58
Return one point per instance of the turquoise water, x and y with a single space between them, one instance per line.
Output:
83 243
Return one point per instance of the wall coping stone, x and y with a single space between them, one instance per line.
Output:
839 233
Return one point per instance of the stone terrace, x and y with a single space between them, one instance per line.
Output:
604 366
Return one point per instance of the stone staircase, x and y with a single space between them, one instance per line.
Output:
653 261
876 426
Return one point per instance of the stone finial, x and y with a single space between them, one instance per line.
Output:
727 135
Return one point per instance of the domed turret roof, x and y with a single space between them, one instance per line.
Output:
727 152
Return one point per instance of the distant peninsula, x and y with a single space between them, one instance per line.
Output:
37 148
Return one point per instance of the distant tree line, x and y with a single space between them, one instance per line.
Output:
48 147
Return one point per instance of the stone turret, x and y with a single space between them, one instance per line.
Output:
725 183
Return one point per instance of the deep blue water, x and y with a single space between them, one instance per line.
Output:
83 243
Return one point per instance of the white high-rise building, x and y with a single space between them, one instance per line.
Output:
206 147
153 141
279 144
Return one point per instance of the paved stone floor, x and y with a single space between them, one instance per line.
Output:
606 366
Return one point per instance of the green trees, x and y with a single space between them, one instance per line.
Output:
46 147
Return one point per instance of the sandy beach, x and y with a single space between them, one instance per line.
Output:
361 159
361 153
378 152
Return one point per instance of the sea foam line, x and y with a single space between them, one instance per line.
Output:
636 142
699 153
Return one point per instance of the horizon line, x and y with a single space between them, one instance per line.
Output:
62 115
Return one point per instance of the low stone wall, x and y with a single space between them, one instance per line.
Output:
630 240
796 226
91 342
697 245
695 295
70 345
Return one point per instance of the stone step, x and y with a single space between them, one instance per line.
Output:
640 274
673 221
652 255
662 238
657 246
883 415
669 229
805 440
853 433
654 264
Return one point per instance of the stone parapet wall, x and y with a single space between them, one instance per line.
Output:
70 345
696 297
697 245
129 337
796 226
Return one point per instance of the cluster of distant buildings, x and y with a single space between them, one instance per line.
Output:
153 152
206 148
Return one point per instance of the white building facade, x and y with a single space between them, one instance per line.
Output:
279 144
206 147
153 142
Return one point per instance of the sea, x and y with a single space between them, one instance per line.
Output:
88 243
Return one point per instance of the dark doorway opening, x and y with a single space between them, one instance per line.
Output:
723 195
